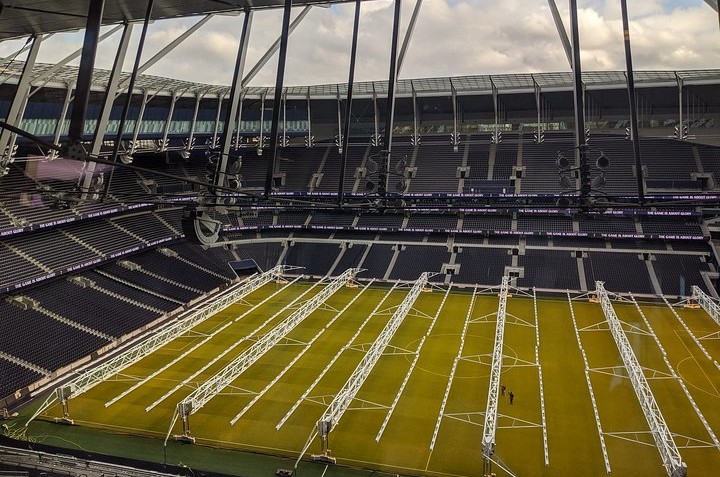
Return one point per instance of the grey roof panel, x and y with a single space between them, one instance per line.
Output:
29 17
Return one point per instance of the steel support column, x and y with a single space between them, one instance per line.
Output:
113 81
238 121
21 92
345 140
49 74
561 31
261 138
85 72
128 97
496 109
216 129
579 96
634 132
279 80
191 138
105 110
138 122
61 121
376 120
171 46
348 102
162 147
538 106
416 122
274 47
455 140
339 119
231 112
408 34
392 80
681 129
310 139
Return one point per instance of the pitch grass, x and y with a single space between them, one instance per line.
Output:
572 434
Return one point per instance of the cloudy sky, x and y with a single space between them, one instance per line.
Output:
452 37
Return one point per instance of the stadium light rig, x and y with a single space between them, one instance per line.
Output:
588 184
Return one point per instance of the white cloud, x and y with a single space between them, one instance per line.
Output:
452 37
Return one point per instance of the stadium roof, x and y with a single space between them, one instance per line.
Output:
463 85
28 17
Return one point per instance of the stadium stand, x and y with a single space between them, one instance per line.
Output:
316 258
481 265
414 260
633 275
549 269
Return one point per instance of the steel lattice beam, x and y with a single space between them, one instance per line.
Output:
351 387
490 426
672 461
708 304
210 388
98 374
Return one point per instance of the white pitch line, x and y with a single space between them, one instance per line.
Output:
231 347
332 361
437 314
689 332
590 388
452 372
400 391
163 368
300 355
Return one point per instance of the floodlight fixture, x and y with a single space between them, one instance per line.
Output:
598 182
602 162
371 166
563 202
566 182
234 182
562 162
234 167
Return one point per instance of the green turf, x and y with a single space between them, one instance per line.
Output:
574 446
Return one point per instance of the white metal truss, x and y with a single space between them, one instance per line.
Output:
540 377
190 380
672 461
194 316
677 378
708 304
490 426
297 357
188 351
210 388
345 396
325 370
